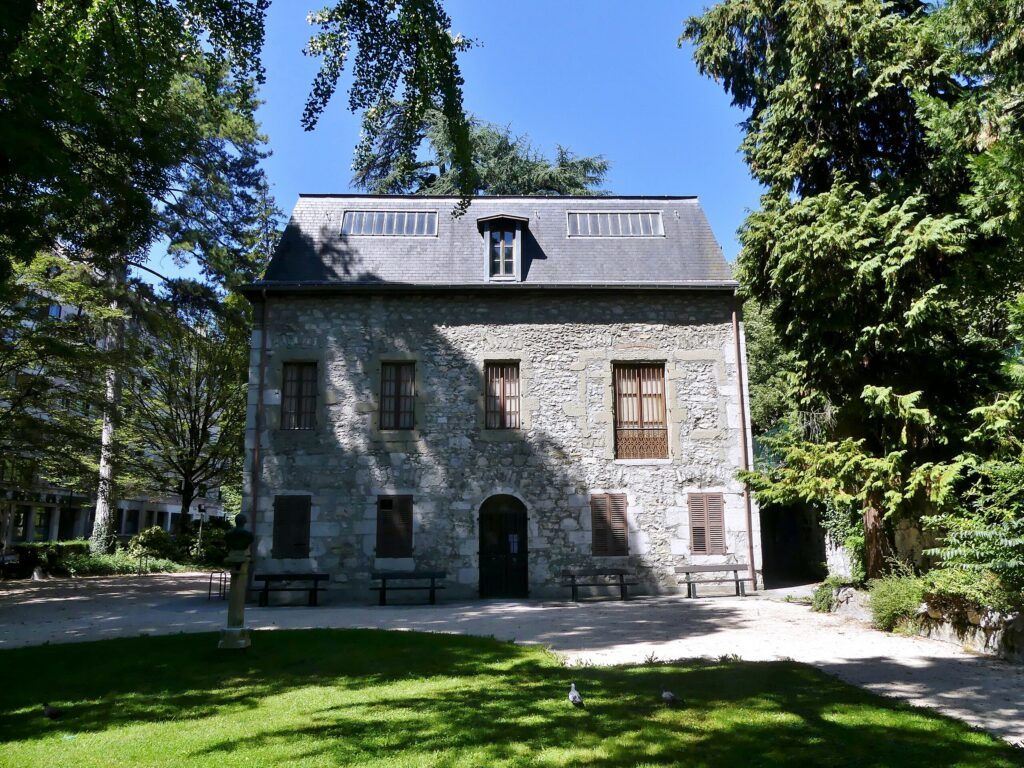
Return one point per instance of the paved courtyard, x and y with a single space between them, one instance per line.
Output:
986 693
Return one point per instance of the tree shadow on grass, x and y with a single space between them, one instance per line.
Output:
358 696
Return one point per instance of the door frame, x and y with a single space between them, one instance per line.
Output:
522 518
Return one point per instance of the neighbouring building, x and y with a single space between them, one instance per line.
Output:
539 383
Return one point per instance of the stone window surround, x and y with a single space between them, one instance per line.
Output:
374 375
675 415
274 407
527 404
394 563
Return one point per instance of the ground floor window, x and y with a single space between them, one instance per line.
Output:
608 515
394 526
707 523
291 526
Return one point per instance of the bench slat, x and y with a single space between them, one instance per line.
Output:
727 568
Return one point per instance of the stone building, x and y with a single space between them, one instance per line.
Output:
534 385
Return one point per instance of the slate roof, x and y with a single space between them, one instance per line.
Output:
314 255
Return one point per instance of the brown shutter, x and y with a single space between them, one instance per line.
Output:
608 518
716 523
707 523
394 526
291 526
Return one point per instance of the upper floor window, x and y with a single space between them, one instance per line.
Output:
641 424
502 398
298 397
503 263
398 395
390 223
616 224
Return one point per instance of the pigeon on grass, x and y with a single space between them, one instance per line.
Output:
51 713
574 696
668 698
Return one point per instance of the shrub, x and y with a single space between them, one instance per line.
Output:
154 542
821 600
119 563
50 556
894 600
954 591
211 548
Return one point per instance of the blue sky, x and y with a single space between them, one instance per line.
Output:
599 76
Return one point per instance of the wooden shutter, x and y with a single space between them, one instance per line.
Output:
707 523
394 526
608 517
291 526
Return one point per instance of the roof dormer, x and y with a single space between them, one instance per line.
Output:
503 246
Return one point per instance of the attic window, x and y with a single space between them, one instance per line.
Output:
616 224
390 223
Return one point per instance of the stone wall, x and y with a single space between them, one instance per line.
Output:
566 344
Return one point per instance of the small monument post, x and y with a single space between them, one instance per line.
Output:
238 539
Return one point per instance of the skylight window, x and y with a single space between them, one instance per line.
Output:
616 224
390 223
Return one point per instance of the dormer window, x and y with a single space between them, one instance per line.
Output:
503 243
503 246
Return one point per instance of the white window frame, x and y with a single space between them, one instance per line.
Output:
605 236
517 250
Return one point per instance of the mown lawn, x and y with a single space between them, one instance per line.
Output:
330 698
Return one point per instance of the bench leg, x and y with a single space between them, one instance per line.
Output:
575 591
433 600
265 595
693 589
622 587
313 596
743 589
383 592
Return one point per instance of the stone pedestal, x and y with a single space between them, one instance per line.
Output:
236 634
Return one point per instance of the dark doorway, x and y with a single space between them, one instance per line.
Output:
792 546
503 553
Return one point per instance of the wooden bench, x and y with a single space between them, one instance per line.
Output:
734 568
618 574
385 576
270 579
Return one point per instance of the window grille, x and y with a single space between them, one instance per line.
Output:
398 396
298 398
641 429
502 396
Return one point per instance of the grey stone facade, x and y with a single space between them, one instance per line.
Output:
566 343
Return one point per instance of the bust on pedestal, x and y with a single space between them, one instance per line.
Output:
238 539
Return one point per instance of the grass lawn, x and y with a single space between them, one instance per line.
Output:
364 697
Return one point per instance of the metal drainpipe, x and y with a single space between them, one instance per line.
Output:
254 477
743 440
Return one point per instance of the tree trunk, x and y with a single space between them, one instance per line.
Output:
876 544
103 529
102 539
188 495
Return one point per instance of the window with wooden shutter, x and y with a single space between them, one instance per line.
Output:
641 428
398 395
394 526
501 409
707 523
291 526
608 515
298 396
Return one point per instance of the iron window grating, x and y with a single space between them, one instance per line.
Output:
501 409
390 223
615 224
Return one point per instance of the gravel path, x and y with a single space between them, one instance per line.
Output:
986 693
